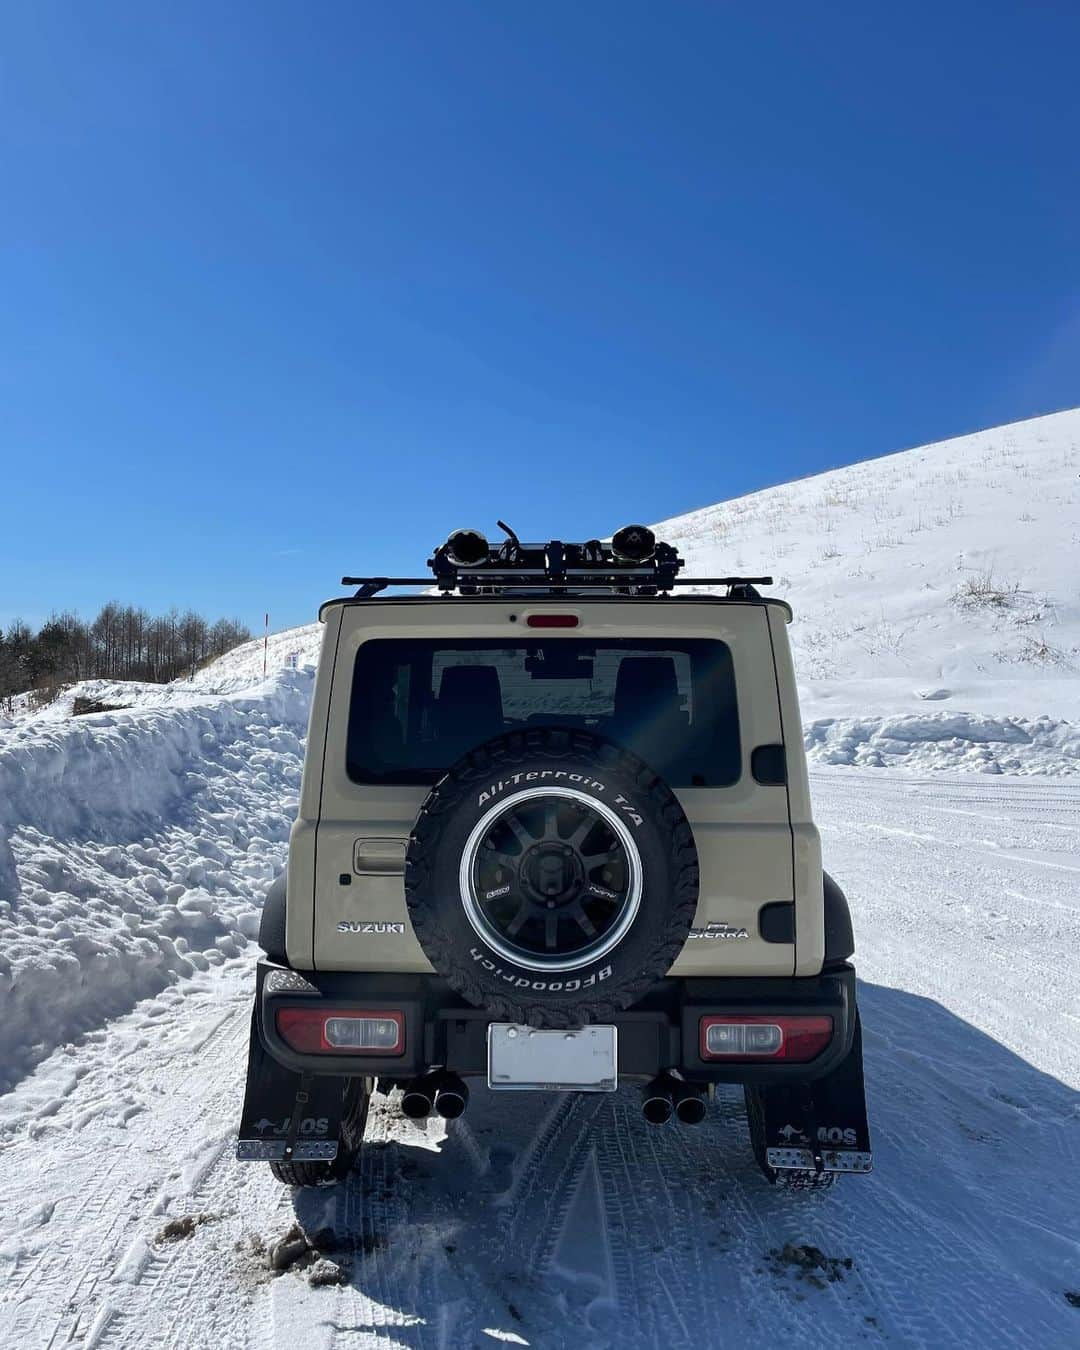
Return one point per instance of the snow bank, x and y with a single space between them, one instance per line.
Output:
136 847
973 742
235 672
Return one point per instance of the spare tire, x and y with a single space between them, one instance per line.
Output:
551 877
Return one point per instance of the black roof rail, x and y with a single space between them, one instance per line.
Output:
739 588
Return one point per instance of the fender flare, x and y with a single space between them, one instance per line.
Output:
839 935
272 923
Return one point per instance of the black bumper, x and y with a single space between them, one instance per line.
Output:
660 1033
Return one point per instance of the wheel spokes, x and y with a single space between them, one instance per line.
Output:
494 855
581 833
521 833
551 931
592 860
515 925
583 921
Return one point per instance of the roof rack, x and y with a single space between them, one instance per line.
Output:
634 563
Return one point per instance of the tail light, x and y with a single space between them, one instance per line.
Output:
341 1031
798 1038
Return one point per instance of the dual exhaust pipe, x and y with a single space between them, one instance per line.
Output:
444 1093
665 1097
448 1095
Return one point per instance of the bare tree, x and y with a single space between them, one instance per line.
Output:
121 643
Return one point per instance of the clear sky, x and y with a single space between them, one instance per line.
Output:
288 290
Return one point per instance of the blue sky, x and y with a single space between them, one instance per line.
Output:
289 290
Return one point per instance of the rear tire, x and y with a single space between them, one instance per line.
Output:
310 1173
790 1180
350 1138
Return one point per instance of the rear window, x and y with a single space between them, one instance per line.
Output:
418 705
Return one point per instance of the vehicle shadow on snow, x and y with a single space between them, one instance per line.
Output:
570 1221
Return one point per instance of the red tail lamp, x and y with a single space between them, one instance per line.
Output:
769 1036
341 1031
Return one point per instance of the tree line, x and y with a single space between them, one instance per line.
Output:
122 643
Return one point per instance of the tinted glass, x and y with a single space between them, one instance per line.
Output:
418 705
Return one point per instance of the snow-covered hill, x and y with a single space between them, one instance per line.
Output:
291 648
945 576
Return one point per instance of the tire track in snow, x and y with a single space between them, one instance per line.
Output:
106 1235
570 1222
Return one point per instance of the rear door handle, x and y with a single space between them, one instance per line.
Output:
379 857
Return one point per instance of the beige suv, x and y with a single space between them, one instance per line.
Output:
555 832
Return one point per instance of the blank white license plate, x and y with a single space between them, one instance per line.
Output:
524 1059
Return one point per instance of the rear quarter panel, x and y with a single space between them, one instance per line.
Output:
806 842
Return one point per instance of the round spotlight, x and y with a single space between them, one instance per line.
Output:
467 548
633 543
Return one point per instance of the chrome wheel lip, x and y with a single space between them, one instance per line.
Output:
494 940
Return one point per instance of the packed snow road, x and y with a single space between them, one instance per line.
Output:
570 1222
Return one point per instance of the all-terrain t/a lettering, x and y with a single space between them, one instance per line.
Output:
538 775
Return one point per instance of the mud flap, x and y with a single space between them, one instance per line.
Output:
813 1127
288 1116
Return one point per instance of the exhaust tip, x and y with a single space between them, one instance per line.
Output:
451 1102
657 1110
691 1109
416 1105
656 1103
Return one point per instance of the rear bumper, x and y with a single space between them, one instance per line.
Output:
659 1034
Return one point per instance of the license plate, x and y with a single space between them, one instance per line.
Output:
524 1059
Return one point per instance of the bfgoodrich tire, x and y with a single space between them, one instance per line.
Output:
551 877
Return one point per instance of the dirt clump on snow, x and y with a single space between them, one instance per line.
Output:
323 1272
287 1250
301 1252
178 1229
810 1264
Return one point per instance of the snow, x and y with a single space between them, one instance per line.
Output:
244 664
236 671
136 846
948 570
569 1222
967 741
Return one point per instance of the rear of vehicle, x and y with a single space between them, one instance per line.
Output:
557 841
